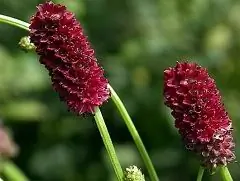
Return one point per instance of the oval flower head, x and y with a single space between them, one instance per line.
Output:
200 117
69 58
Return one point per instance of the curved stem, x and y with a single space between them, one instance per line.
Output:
133 131
226 176
14 21
12 172
108 143
200 173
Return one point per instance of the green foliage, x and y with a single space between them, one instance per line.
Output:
134 41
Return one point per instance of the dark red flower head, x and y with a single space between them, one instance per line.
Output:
199 114
69 58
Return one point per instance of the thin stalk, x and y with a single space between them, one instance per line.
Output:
133 131
108 143
12 172
226 176
14 21
200 173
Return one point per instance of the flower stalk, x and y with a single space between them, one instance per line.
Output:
133 131
14 22
12 172
200 173
226 176
108 143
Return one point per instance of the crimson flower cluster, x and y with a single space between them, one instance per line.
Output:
66 53
200 117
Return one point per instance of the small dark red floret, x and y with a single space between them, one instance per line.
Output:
199 113
69 58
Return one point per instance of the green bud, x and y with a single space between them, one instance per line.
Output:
26 44
132 173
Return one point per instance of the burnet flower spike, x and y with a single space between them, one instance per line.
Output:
75 73
199 113
65 51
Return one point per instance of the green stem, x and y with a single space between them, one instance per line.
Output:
12 172
14 21
226 176
108 143
200 173
133 131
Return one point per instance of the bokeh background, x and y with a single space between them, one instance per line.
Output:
135 40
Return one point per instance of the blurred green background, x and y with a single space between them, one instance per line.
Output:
135 40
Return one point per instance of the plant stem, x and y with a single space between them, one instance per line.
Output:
226 176
108 143
200 173
12 172
133 131
14 21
